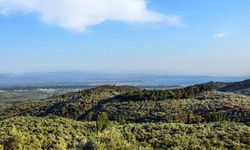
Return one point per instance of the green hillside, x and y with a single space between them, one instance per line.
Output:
124 117
70 105
188 105
242 87
213 106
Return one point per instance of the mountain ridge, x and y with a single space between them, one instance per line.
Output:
241 87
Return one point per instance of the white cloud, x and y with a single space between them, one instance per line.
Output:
221 34
79 14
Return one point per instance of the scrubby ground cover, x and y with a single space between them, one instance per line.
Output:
60 133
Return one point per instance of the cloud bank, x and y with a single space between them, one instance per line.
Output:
79 14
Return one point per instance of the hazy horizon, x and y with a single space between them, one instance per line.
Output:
80 78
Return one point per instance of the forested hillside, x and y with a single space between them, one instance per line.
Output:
70 105
241 87
207 107
188 105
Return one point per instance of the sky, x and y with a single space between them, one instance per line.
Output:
164 37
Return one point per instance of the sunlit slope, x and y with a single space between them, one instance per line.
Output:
61 133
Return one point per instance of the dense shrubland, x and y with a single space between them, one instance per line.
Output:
158 95
42 133
60 133
188 105
75 105
214 106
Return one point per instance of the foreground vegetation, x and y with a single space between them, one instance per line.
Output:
60 133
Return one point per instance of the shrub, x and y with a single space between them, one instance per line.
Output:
102 121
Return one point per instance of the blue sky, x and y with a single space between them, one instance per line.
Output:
166 37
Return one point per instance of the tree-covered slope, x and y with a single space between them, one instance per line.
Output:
188 105
78 105
207 107
242 87
60 133
71 105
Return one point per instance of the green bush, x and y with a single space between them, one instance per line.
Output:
102 121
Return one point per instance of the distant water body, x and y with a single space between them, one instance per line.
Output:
96 80
187 80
